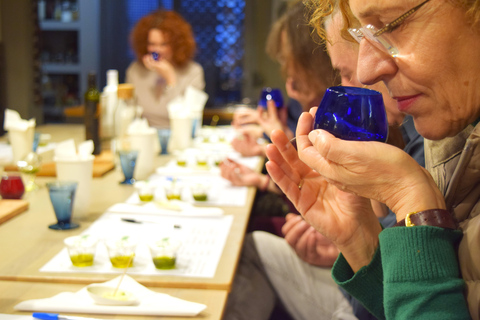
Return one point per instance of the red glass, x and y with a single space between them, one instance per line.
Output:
11 186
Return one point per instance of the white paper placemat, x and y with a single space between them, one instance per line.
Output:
203 240
220 192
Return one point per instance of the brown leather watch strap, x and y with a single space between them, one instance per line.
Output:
434 217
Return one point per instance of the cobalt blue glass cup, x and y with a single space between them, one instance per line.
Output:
62 195
128 159
274 94
352 113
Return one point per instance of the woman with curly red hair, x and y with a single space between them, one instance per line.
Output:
164 45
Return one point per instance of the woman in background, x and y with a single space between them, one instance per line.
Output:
164 45
308 73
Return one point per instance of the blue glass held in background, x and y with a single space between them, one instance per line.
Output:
128 159
352 113
163 137
36 141
271 94
62 195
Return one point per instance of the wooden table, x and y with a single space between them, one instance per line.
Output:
27 242
14 292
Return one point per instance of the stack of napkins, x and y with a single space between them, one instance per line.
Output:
13 121
66 150
151 303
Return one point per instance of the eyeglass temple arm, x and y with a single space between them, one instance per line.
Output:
395 23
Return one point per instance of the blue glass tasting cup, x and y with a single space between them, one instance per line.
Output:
271 94
62 195
352 113
128 159
163 137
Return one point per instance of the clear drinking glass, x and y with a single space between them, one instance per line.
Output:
62 195
128 159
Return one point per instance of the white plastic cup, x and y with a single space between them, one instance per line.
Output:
81 171
21 142
181 133
144 143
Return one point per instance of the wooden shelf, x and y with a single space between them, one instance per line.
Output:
61 68
53 25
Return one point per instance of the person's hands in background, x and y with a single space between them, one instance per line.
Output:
310 246
273 118
240 175
161 66
243 116
246 144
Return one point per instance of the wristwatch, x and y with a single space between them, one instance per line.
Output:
434 217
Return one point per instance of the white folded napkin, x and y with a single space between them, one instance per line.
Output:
66 150
13 121
151 303
178 208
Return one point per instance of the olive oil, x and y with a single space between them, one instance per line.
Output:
122 261
164 262
146 197
182 163
82 260
174 197
200 197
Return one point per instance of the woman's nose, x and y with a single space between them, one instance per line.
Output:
373 64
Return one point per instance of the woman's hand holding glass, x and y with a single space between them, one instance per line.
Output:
273 118
162 67
344 218
243 116
369 169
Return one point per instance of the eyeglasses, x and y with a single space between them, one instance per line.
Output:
377 37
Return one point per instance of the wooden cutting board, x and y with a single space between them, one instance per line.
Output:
99 169
11 208
101 165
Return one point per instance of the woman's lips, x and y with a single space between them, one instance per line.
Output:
404 103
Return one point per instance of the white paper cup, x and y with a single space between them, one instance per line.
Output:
181 136
21 142
144 142
82 172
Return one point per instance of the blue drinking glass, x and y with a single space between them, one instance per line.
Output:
62 195
163 137
352 113
128 159
274 94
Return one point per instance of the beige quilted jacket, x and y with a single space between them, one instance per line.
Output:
455 165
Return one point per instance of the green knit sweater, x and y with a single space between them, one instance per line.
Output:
413 275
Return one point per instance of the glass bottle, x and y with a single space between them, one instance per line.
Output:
126 109
57 11
92 112
41 10
109 101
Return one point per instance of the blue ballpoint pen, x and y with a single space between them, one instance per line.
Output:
56 316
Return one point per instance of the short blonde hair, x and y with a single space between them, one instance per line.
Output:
321 9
